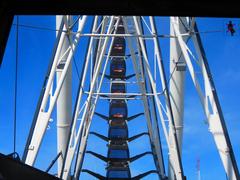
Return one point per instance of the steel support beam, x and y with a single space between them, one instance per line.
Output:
211 105
155 144
98 88
177 81
45 112
178 163
64 101
86 117
73 141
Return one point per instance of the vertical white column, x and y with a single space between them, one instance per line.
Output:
177 64
64 101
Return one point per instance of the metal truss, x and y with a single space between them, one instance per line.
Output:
154 138
49 98
207 93
159 103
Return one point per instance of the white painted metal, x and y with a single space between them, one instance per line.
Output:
101 39
172 105
176 88
155 94
156 143
145 36
91 113
125 94
157 148
44 114
64 101
177 165
211 109
75 137
86 119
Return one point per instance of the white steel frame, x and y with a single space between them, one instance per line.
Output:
208 98
154 141
45 113
146 77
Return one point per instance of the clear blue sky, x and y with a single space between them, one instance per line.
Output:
35 47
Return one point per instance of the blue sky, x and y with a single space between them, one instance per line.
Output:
35 47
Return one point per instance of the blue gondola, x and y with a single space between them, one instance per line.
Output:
119 47
118 132
118 152
118 172
119 44
118 68
118 109
118 88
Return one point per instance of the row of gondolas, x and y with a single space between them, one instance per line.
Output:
118 157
